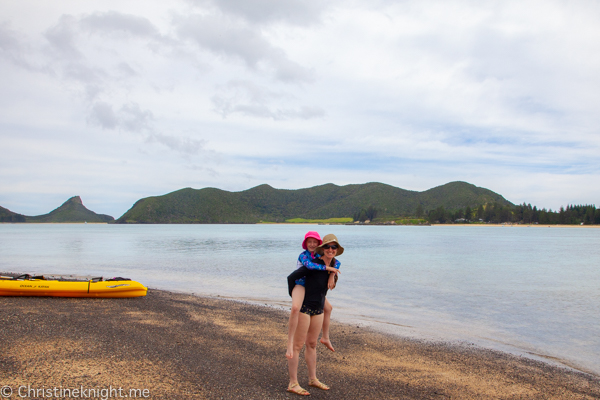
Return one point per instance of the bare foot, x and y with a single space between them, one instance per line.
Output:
327 344
289 354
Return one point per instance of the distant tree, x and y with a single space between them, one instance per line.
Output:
480 211
527 213
589 215
439 215
468 213
12 218
361 215
458 214
419 211
488 214
544 216
371 213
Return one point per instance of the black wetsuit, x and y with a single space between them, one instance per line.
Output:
316 287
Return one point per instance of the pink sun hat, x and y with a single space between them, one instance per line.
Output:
311 234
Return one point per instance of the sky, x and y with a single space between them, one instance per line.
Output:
119 100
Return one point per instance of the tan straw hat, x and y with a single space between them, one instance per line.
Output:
331 238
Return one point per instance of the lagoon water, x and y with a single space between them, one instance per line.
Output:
531 291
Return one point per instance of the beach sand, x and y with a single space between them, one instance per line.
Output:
180 346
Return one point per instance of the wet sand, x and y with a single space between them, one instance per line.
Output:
180 346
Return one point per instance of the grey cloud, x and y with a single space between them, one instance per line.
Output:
289 71
186 146
132 118
125 70
71 59
8 39
299 12
102 115
70 62
226 107
210 171
309 112
62 37
234 40
10 46
246 98
129 117
15 48
83 73
263 111
91 79
119 23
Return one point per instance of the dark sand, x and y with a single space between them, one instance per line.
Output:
186 347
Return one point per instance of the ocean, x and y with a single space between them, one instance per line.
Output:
532 291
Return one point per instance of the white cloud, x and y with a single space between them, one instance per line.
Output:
237 41
232 94
132 118
246 98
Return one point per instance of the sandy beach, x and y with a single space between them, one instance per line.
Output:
181 346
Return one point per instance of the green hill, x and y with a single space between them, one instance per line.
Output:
9 216
72 210
264 203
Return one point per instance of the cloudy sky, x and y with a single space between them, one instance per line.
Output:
119 100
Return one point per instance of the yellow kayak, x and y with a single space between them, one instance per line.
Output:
26 285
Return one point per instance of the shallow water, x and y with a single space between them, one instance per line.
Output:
527 290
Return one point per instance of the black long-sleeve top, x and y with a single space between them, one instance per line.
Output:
316 285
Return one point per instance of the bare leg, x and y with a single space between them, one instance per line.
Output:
326 319
303 323
310 354
297 299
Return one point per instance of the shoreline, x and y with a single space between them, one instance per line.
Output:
411 333
180 345
502 225
428 334
522 225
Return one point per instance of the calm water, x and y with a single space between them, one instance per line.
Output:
526 290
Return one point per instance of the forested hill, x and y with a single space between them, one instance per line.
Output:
8 216
264 203
71 210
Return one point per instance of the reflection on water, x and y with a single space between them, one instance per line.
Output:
534 288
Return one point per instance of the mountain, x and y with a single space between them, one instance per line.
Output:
265 203
8 216
71 210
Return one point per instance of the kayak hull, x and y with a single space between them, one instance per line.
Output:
40 287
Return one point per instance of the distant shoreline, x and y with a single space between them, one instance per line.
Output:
522 225
56 223
318 223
